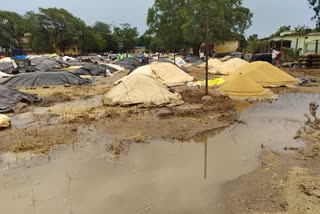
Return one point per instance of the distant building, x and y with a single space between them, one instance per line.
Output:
139 49
306 43
227 46
290 39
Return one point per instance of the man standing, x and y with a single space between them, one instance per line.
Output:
275 53
143 58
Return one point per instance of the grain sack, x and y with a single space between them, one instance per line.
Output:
264 74
138 88
243 88
4 121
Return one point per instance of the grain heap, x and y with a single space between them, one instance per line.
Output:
142 89
310 60
242 88
264 74
167 73
213 65
230 66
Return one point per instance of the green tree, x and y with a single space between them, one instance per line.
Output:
12 28
126 36
103 31
62 29
282 29
182 23
165 19
315 5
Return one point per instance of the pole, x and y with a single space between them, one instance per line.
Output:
207 54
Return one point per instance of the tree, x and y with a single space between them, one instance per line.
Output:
282 29
103 31
165 19
315 5
126 36
12 28
182 23
253 37
62 29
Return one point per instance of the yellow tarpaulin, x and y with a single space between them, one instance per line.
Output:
214 82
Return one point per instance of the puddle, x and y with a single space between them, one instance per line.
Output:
157 177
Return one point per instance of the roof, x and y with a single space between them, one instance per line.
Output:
140 47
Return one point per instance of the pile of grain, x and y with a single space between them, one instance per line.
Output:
243 88
167 73
230 66
264 74
310 60
213 65
141 89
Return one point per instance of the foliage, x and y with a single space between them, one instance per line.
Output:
126 36
291 54
12 28
253 37
315 5
254 45
61 28
282 29
182 23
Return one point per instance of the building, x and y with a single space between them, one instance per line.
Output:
306 43
227 46
139 49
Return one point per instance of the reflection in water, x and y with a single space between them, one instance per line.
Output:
205 159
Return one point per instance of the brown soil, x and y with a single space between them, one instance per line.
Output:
286 183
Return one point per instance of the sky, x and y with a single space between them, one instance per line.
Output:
269 15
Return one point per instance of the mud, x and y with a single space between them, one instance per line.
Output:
71 154
288 183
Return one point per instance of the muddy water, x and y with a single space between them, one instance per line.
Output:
156 177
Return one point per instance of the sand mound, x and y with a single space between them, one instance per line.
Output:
167 73
138 88
264 74
230 66
245 89
4 121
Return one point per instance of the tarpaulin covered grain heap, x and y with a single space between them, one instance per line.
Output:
167 73
9 98
44 79
230 66
139 88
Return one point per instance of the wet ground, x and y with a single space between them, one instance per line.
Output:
101 173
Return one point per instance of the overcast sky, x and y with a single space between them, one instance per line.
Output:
269 15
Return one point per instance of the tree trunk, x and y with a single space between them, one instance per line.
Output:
196 48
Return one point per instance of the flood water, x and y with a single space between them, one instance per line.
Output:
154 177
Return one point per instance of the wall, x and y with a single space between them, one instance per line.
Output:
306 43
228 46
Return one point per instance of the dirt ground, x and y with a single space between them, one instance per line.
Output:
285 183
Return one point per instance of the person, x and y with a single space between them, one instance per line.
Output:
278 59
143 58
275 53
